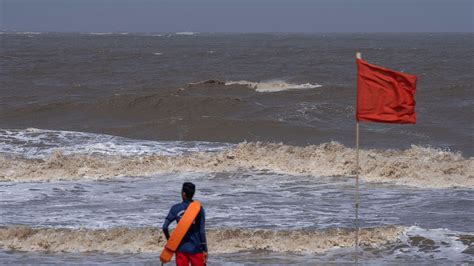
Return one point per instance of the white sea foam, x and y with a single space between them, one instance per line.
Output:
41 143
439 243
392 241
146 240
28 32
273 85
185 33
157 53
101 157
100 33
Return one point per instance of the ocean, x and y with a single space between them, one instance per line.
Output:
98 131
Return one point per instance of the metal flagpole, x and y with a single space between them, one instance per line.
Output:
358 56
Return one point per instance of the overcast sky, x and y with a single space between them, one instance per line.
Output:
238 15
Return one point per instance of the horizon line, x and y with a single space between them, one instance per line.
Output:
227 32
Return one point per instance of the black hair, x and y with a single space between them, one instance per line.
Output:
189 189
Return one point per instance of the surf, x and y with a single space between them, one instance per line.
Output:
151 239
101 157
273 85
261 86
438 243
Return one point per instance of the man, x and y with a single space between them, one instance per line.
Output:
193 247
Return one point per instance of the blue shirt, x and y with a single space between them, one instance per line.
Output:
195 239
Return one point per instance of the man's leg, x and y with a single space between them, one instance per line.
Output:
182 259
197 259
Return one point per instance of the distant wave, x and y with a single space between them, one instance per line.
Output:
29 32
185 33
273 86
151 240
100 33
417 166
263 86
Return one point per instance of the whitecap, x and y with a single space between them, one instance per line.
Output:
29 32
151 239
273 85
41 143
439 243
101 157
185 33
101 33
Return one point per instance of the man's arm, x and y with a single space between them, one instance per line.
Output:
168 220
202 230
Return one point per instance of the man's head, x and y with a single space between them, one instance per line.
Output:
188 190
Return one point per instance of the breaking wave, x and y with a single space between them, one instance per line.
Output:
151 240
263 86
273 86
437 243
185 33
41 143
28 32
100 33
417 166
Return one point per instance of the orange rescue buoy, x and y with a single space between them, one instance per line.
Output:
180 231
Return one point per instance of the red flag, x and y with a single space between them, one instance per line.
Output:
384 95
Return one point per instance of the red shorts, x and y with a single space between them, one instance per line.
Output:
183 259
